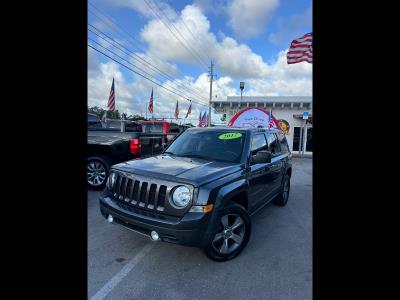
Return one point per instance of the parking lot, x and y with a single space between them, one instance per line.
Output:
276 264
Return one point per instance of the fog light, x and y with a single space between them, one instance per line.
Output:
154 236
110 219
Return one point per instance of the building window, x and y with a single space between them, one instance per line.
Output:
309 140
296 138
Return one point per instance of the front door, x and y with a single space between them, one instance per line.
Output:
260 177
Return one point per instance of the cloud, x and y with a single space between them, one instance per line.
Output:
234 62
290 28
234 59
248 18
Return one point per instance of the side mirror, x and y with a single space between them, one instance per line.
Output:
261 157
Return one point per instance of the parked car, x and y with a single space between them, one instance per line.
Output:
168 128
108 145
202 190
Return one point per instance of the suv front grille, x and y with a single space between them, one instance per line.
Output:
141 194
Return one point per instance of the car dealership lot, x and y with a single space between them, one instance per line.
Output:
276 264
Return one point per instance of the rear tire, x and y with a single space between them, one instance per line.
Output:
283 197
231 234
98 169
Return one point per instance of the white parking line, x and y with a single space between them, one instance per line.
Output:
113 282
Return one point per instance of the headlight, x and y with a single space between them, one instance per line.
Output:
111 180
181 196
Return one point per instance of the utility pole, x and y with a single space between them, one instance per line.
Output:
209 105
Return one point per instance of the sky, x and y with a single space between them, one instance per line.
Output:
173 43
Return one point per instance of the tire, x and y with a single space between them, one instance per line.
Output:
100 167
283 197
235 239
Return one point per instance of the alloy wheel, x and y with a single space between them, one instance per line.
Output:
230 235
96 173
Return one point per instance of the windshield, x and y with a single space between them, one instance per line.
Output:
211 145
152 128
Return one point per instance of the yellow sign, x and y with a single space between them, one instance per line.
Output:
230 136
284 126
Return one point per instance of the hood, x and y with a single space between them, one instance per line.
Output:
185 169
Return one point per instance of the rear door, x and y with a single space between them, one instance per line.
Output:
277 161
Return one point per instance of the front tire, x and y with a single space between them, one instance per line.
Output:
98 169
231 234
283 197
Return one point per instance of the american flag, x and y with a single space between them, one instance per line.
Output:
301 50
151 102
270 119
189 110
176 110
202 120
111 98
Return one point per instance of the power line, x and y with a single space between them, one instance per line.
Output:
186 96
139 59
171 91
117 29
173 25
166 25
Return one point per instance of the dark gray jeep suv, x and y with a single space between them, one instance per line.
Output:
202 190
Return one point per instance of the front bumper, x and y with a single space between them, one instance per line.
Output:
193 229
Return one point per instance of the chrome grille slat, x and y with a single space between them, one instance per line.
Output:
138 191
128 187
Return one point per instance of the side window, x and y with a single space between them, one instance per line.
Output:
273 144
283 143
258 143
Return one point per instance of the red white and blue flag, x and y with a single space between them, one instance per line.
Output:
203 120
151 102
301 50
176 110
271 122
189 110
111 98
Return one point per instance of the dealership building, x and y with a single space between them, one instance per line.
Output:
289 110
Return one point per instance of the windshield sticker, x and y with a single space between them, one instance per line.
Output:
230 136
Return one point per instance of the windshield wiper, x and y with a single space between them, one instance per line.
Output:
189 154
167 152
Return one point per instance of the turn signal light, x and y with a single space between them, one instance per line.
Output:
201 208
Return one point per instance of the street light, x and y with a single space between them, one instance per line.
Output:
241 90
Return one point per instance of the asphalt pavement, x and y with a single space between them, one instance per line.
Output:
276 263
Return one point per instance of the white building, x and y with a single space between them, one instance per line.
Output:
287 108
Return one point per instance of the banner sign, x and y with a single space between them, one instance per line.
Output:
253 117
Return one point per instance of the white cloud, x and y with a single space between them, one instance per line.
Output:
248 18
234 62
234 59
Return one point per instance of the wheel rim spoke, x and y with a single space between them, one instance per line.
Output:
218 237
224 247
224 221
236 238
238 222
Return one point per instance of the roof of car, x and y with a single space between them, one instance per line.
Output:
235 129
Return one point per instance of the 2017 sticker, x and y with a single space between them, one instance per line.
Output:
230 136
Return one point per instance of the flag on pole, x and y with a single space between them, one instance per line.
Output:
176 110
189 110
151 102
270 119
199 125
301 50
104 117
111 98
